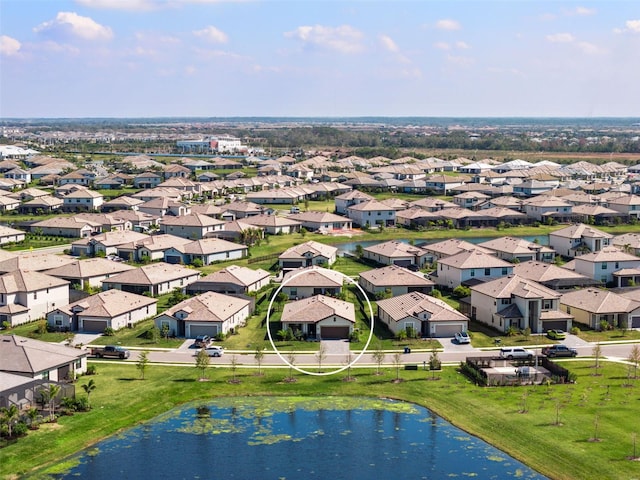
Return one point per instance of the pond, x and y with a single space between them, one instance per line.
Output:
297 438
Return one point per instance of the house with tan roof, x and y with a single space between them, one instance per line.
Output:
147 180
516 250
372 214
194 226
154 279
106 243
109 309
421 314
209 313
151 248
8 203
592 306
310 281
545 207
82 201
121 203
322 221
31 261
140 221
450 247
395 280
307 254
516 302
89 272
349 199
26 296
207 251
319 317
627 204
10 235
38 360
108 221
232 280
274 224
395 252
241 209
415 216
578 239
67 227
604 264
162 206
41 205
552 276
628 242
470 267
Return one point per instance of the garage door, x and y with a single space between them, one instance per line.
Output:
447 330
635 322
402 263
94 325
195 330
334 332
174 259
555 325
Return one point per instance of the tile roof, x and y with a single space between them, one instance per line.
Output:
474 259
595 300
580 230
514 285
235 274
209 307
317 308
91 267
109 304
414 303
608 254
34 262
24 281
315 248
313 276
27 356
393 275
395 248
152 274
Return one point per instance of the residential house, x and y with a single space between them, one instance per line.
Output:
232 280
10 235
194 226
153 279
578 239
150 248
8 203
545 208
176 171
552 276
140 221
516 250
450 247
33 262
419 314
106 243
372 214
628 242
514 302
41 205
89 272
531 187
349 199
242 209
307 254
82 201
395 252
206 251
121 203
394 280
161 206
274 224
19 174
209 313
322 221
109 309
66 227
602 265
470 267
319 317
76 178
109 222
470 200
147 180
596 214
26 296
313 280
595 307
627 204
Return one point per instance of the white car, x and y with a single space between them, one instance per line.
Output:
214 351
516 352
463 337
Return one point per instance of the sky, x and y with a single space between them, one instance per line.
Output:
313 58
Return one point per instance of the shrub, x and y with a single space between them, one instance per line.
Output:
42 326
19 429
604 325
109 332
436 293
574 331
220 337
197 262
92 370
461 291
355 336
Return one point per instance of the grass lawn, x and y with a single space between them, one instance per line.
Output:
37 241
609 335
548 428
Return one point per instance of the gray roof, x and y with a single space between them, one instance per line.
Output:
27 356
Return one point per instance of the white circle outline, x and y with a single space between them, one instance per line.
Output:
301 370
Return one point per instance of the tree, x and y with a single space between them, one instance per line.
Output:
321 354
397 362
378 357
597 353
32 413
234 369
348 362
89 387
202 362
49 398
291 358
634 358
9 415
142 363
359 251
259 356
434 362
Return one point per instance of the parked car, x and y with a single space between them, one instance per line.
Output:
110 351
556 334
214 351
559 350
463 337
515 352
202 341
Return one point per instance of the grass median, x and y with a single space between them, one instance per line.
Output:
550 428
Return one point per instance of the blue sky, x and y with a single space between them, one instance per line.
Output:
149 58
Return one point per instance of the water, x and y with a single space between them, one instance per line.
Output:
297 438
350 247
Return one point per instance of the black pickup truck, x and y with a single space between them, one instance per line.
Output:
110 351
559 351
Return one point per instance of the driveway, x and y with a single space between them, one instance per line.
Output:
335 347
450 345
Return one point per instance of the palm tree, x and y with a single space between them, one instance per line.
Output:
10 415
88 388
32 413
49 397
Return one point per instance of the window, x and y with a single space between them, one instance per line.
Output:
547 305
294 292
617 265
35 295
57 319
568 309
487 271
604 265
505 271
505 301
473 273
45 375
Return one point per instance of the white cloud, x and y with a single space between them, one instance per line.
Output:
462 45
442 46
448 24
632 26
460 61
560 38
190 70
212 34
343 39
388 44
590 48
70 24
9 46
584 11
